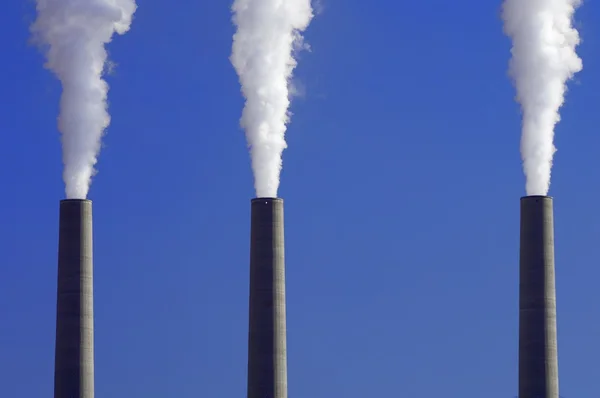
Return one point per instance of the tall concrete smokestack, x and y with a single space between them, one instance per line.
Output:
538 357
74 355
267 357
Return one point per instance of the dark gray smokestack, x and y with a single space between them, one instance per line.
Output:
538 358
74 355
267 357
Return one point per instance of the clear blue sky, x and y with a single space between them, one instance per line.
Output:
402 183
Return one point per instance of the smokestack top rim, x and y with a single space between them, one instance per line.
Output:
530 197
75 201
266 199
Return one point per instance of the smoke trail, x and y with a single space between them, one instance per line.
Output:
543 59
267 33
73 34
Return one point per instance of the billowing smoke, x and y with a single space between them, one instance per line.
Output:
268 33
73 34
543 59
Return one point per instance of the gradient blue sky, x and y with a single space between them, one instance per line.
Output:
402 183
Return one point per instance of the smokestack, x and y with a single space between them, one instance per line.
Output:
267 357
74 355
538 358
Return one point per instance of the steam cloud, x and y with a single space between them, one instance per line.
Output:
543 59
268 31
73 34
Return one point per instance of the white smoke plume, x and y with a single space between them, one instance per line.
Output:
543 59
268 33
73 34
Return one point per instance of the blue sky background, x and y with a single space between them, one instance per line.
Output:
402 183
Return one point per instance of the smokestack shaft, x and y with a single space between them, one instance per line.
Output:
267 357
538 356
74 351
